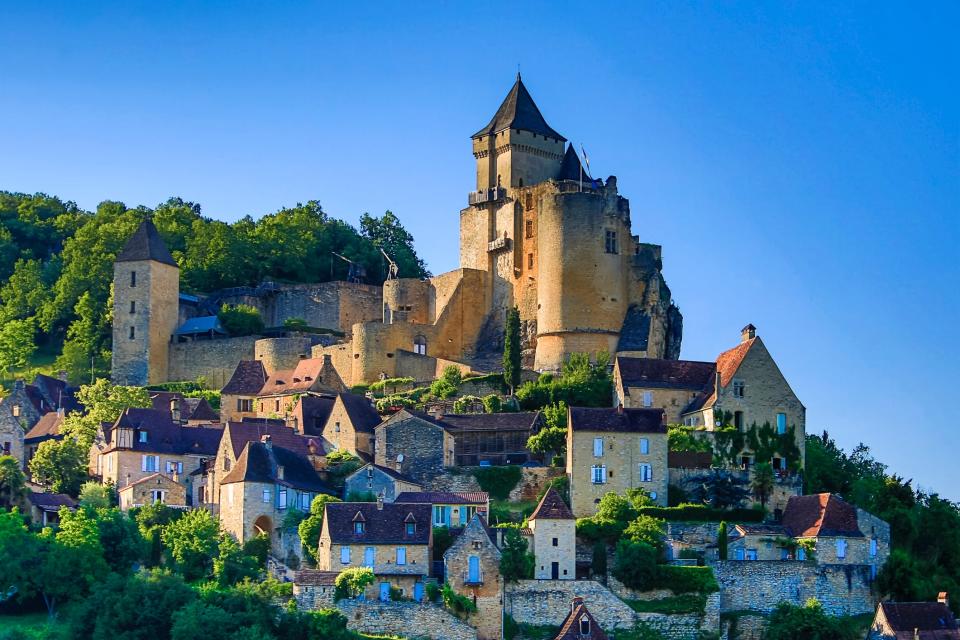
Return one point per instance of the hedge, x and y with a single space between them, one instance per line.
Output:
498 481
686 579
702 513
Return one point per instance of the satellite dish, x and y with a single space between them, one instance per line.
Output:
399 457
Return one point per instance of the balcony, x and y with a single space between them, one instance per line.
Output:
496 194
474 578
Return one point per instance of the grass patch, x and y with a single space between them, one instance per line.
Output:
36 626
674 605
504 511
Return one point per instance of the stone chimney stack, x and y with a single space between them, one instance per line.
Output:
267 440
175 409
379 503
749 332
577 600
943 598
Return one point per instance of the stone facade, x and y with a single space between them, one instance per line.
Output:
121 467
213 360
405 619
378 481
341 434
472 569
11 432
426 447
249 509
155 488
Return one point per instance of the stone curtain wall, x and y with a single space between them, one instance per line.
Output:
405 619
760 586
215 360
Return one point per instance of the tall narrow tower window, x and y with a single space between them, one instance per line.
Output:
133 278
528 229
133 306
529 261
133 332
611 242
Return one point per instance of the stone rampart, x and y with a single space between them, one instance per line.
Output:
215 360
405 619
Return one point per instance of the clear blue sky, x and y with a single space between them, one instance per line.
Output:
797 161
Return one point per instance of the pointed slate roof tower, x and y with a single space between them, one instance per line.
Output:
570 167
146 244
552 507
519 111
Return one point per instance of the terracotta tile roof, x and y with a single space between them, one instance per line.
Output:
47 427
820 514
665 374
619 420
386 525
316 578
145 244
933 620
551 507
460 422
260 462
570 629
310 374
443 497
247 379
729 361
164 435
363 415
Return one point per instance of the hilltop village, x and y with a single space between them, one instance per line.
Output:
512 449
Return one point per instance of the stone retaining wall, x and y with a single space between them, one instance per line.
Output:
405 619
532 481
547 602
215 360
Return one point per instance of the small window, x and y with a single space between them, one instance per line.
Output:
358 527
528 226
610 242
336 427
143 436
267 494
599 474
556 542
133 278
644 446
585 626
133 332
646 472
276 406
529 261
401 555
801 553
133 306
738 554
282 499
841 549
738 420
420 345
873 547
781 423
648 398
751 554
597 447
411 528
344 555
739 388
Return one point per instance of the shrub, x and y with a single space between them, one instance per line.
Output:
396 593
560 484
702 513
648 530
385 405
599 564
722 541
492 403
443 389
636 564
686 579
259 547
433 591
498 481
516 563
452 375
442 539
466 404
240 319
352 582
457 603
809 622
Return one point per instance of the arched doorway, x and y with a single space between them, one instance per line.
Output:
263 526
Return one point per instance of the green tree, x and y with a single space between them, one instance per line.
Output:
16 344
388 234
151 520
102 402
516 563
810 622
193 541
122 543
233 564
549 441
681 438
95 495
511 349
85 351
13 484
352 582
240 319
310 527
763 482
648 530
719 489
722 541
635 564
60 465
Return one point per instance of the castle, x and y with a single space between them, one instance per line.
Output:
537 234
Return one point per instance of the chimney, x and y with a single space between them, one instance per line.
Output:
943 599
175 409
379 503
62 375
620 408
267 440
749 332
717 384
279 472
577 601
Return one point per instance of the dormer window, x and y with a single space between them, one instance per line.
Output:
585 626
358 527
411 528
143 436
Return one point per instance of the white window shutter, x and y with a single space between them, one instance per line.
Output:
143 463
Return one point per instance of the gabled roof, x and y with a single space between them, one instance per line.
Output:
518 111
363 415
396 475
190 408
201 324
56 392
653 373
146 244
51 501
247 380
459 422
617 420
253 431
727 364
309 374
570 167
47 427
820 514
385 523
313 411
153 477
570 629
551 507
260 462
164 435
316 578
443 497
933 620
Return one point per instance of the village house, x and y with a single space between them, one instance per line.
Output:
183 410
376 481
915 621
395 540
25 406
310 414
46 428
11 434
143 442
450 509
266 483
239 395
615 450
283 388
553 538
350 425
580 624
671 385
153 489
472 569
45 507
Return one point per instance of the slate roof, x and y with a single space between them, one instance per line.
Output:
247 379
635 332
570 629
190 408
652 373
459 422
47 427
253 431
752 529
619 420
146 244
313 412
443 497
933 620
518 111
363 415
56 392
202 324
393 473
51 501
820 514
570 167
316 578
260 461
551 507
164 435
384 525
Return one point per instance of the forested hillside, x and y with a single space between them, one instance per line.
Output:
56 263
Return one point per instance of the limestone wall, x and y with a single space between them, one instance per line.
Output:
759 586
215 360
532 482
282 353
547 602
405 619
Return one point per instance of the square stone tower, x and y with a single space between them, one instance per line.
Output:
146 294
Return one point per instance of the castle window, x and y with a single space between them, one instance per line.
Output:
133 278
611 241
420 345
739 389
529 261
133 333
528 228
133 306
529 202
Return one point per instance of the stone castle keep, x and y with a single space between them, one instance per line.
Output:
538 234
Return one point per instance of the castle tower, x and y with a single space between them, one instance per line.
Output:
146 292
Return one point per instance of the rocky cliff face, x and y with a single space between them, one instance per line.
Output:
653 323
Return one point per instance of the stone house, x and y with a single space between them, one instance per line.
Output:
750 389
380 481
414 444
313 589
494 438
46 428
236 435
151 489
553 537
267 482
671 385
350 425
450 508
283 388
143 442
580 624
395 540
11 433
472 569
45 507
238 397
615 450
915 621
310 414
183 410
